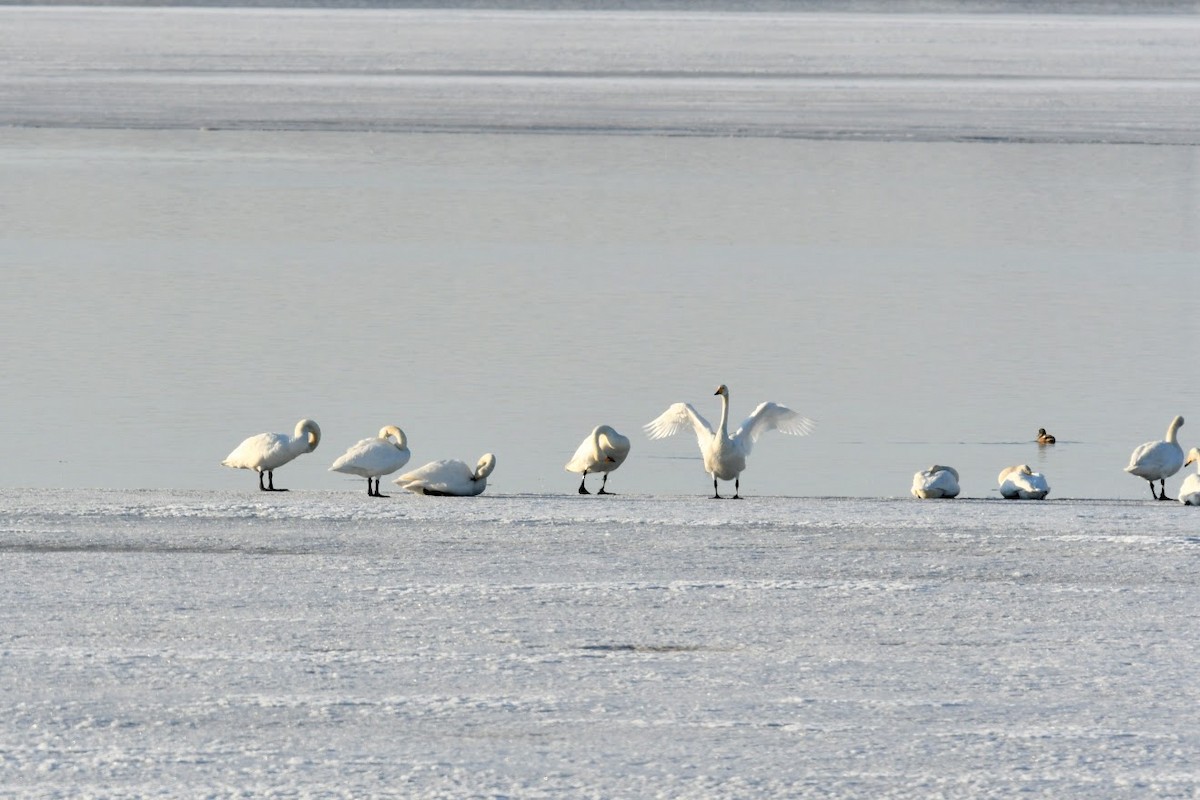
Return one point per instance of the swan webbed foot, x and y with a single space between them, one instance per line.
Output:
582 486
604 491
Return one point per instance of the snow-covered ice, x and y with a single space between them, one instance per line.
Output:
325 645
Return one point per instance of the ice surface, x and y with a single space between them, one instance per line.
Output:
324 645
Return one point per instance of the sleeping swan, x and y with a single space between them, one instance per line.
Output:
602 451
1022 483
370 458
267 452
936 482
1189 492
725 455
449 478
1157 461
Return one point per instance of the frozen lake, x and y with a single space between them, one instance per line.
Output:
318 645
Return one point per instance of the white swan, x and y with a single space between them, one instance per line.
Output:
602 451
935 482
267 452
725 455
370 458
1157 461
1022 483
449 478
1189 492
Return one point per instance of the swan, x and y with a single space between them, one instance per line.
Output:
1022 483
267 452
936 482
1189 492
1157 461
1045 438
370 458
602 451
449 478
725 455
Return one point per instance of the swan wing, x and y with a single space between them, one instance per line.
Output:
614 446
675 419
371 458
770 417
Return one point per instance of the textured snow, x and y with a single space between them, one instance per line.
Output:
325 645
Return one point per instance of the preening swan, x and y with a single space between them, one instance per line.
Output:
370 458
1157 461
1045 438
602 451
267 452
449 478
1022 483
1189 492
935 482
725 455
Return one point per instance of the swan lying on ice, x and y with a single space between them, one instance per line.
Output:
371 458
267 452
936 482
725 455
1022 483
1189 492
602 451
449 478
1157 461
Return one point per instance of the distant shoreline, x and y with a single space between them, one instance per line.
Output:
1087 7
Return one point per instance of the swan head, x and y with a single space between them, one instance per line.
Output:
1193 456
1176 424
722 390
306 427
391 430
942 468
485 466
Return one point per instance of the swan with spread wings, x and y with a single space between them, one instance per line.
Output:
725 455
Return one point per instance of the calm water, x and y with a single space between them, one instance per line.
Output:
170 291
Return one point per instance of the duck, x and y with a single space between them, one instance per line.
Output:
725 455
374 457
1022 483
602 451
449 478
936 482
1157 461
1045 438
266 452
1189 492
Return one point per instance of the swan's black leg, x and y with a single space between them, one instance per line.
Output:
604 483
262 487
1153 493
1163 493
582 488
737 487
716 493
271 482
372 488
377 492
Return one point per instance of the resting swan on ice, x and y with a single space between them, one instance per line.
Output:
449 478
602 451
725 455
1022 483
936 482
1157 461
267 452
1189 492
371 458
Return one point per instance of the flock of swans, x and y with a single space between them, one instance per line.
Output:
724 456
1153 461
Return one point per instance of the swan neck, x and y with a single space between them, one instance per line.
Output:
1173 429
723 428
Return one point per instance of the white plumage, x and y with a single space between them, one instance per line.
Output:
1022 483
371 458
602 451
267 452
936 482
449 478
725 455
1157 461
1189 492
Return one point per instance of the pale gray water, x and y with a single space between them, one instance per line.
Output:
170 291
